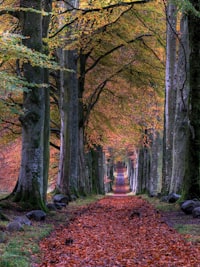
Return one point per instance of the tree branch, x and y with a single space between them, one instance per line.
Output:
97 92
85 11
120 4
104 27
54 145
116 48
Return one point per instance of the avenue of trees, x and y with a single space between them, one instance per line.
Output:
102 81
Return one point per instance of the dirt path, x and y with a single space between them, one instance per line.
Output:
121 183
118 231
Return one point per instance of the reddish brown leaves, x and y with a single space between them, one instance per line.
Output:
105 235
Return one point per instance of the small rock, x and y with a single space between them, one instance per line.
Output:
14 226
173 197
196 212
60 205
164 199
188 206
197 203
51 206
37 215
60 198
23 220
73 198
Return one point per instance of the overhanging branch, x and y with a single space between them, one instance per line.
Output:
85 11
140 37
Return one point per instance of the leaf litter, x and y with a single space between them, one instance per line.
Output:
118 232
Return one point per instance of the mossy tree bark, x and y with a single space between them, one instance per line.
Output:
32 181
192 177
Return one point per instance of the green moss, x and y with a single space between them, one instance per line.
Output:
20 247
29 200
190 231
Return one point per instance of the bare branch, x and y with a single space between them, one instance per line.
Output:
54 145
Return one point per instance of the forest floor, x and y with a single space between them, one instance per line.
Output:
118 230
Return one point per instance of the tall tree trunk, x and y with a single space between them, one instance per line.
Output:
170 96
32 182
69 143
97 170
74 122
143 170
67 182
64 162
192 177
47 7
132 167
84 182
181 115
155 178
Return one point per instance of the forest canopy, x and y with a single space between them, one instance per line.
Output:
101 81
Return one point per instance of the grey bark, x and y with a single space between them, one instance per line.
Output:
32 182
155 178
47 6
69 111
64 162
181 125
132 167
170 96
143 170
192 176
83 178
69 141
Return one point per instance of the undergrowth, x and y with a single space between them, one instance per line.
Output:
21 249
191 232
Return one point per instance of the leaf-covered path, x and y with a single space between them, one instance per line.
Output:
118 231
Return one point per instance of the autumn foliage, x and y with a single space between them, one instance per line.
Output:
118 231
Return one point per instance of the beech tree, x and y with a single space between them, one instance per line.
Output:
32 182
170 93
183 161
67 181
86 46
117 61
192 176
181 121
132 90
